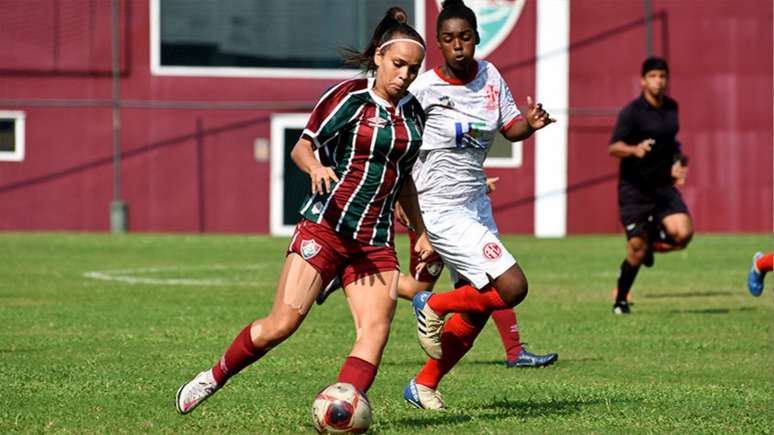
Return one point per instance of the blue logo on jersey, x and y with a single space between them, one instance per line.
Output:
466 134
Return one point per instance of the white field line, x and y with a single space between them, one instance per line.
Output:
130 276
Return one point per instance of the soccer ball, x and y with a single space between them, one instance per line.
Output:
341 408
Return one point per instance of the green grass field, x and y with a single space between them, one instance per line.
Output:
82 354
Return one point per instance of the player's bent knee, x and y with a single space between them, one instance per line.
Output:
514 294
683 237
277 330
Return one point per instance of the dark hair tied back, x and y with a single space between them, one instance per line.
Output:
456 9
394 24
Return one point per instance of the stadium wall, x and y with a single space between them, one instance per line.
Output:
196 170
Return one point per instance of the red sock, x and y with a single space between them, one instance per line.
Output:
239 355
456 340
467 299
357 372
764 264
509 332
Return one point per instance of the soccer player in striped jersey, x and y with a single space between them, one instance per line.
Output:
370 130
467 103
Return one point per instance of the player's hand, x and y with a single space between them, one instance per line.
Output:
424 250
643 148
321 179
679 172
401 216
537 117
490 184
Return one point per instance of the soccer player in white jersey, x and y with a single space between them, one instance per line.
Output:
467 103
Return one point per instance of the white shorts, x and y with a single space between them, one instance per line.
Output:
467 240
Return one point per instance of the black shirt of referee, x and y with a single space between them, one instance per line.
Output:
639 121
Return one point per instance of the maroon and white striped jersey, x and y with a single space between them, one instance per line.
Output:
372 147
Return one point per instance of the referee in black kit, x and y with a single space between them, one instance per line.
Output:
653 213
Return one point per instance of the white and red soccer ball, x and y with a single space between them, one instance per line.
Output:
341 408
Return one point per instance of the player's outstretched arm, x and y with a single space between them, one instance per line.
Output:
535 118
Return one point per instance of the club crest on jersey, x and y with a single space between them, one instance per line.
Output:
492 251
434 268
496 19
309 248
492 98
317 207
377 122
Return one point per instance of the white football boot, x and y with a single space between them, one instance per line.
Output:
429 325
423 397
196 391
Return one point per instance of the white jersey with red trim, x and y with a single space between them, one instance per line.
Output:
463 119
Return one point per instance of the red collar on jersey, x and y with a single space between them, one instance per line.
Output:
456 81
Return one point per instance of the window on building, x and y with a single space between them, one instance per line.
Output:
504 154
11 136
278 38
289 185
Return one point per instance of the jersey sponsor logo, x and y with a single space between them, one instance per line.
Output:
377 122
496 19
492 251
434 268
309 248
446 101
466 134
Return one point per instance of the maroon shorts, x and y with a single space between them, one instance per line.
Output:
332 254
433 266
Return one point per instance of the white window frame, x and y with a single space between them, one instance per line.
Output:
17 155
279 123
215 71
514 161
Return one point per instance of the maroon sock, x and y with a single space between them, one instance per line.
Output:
456 340
467 299
357 372
508 327
239 355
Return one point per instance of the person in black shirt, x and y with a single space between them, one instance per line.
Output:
652 210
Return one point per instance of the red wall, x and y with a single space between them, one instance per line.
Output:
194 170
182 170
720 57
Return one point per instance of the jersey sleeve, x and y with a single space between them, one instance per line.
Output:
419 90
509 113
333 112
624 127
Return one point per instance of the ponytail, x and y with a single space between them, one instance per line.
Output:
393 24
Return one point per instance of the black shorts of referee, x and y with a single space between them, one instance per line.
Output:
642 205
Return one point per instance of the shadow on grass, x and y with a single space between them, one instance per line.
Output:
22 350
712 310
690 295
497 409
